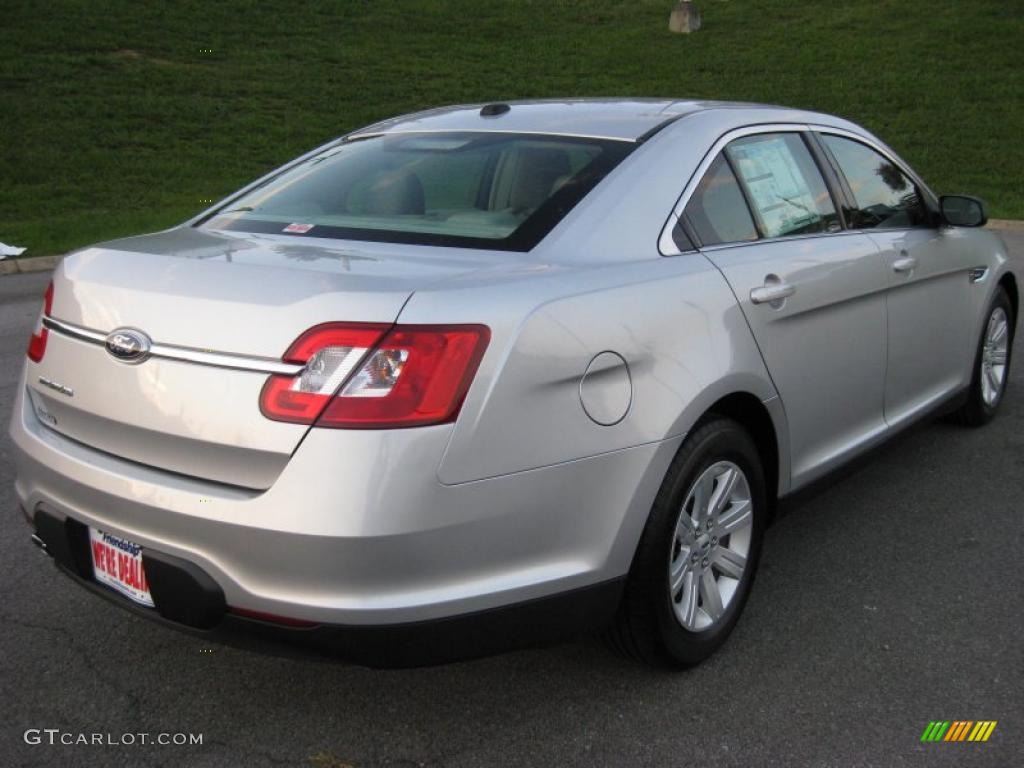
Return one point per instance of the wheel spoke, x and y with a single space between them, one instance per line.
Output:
739 515
712 598
701 497
684 529
726 485
998 333
688 604
729 563
993 381
998 357
678 571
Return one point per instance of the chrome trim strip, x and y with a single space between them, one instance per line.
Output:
787 238
182 354
74 331
224 360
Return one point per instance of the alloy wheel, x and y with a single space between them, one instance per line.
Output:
711 546
993 356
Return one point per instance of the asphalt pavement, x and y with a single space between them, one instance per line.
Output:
891 599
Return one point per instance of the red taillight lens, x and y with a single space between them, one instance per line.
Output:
330 353
417 375
37 342
414 376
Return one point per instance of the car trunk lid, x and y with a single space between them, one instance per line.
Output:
228 306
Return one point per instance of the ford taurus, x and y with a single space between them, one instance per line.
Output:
485 375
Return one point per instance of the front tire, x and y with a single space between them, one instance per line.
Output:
991 364
699 551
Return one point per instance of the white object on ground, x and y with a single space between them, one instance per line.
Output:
10 250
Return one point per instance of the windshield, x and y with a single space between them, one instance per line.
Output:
475 190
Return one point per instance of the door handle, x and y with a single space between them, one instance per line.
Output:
905 264
772 292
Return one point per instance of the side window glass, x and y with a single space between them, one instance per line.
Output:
785 187
885 198
681 239
717 210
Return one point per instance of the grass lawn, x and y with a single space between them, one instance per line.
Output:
123 117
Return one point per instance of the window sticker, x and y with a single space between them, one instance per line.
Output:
777 187
299 229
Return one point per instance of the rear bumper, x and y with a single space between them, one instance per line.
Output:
357 532
188 600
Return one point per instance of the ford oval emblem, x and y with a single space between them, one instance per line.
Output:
128 345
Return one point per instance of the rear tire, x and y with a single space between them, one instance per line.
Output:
698 553
990 376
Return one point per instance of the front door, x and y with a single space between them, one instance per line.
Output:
929 312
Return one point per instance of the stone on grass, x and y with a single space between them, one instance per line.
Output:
685 18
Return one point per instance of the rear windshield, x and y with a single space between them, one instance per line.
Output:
473 190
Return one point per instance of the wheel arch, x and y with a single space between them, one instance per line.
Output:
1009 284
753 415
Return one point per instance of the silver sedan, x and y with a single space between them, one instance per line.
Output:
488 375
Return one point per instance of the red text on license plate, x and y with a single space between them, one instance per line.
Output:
117 563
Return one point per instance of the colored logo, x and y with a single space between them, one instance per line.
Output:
959 730
128 345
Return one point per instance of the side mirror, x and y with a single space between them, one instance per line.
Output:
963 211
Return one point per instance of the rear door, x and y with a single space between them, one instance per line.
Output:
812 293
929 301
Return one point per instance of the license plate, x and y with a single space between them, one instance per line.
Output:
117 563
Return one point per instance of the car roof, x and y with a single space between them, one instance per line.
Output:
619 119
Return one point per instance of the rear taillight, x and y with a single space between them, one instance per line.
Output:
359 376
329 354
37 342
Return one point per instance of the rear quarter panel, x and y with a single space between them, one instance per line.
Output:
673 320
